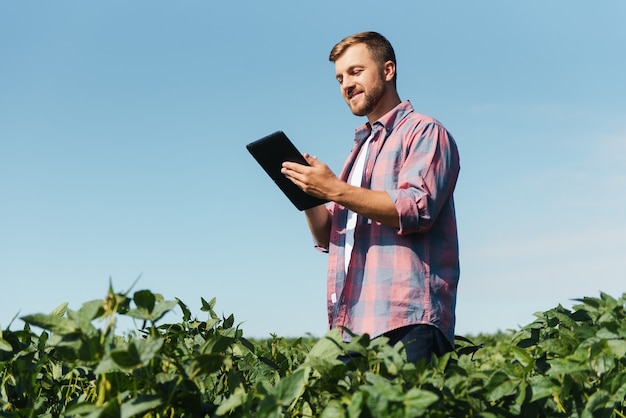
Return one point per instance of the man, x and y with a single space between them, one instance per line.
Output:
390 226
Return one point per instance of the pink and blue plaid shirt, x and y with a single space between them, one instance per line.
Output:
406 276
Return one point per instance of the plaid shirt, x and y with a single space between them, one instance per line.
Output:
398 277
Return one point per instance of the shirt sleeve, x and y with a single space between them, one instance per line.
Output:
426 178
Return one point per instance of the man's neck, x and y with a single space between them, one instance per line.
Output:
387 102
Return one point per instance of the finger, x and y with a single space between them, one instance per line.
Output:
293 177
291 170
311 159
291 166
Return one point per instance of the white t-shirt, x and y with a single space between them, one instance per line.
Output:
355 180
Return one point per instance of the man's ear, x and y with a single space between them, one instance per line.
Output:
389 69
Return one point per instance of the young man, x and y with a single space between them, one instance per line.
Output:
390 228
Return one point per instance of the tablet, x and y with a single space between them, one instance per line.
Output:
270 152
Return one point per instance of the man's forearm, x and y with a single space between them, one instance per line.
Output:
319 221
371 204
319 181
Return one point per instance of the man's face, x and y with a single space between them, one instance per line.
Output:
361 79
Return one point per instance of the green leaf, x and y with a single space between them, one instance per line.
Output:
417 401
155 313
139 405
292 386
87 313
602 363
618 347
5 346
207 306
556 346
228 322
139 314
520 399
126 359
246 343
234 401
592 302
499 386
148 348
581 315
522 356
360 343
606 334
381 391
217 344
110 409
565 366
333 409
60 310
185 309
357 402
464 339
81 409
619 393
565 319
137 353
532 340
327 348
205 364
468 350
392 359
597 401
161 309
541 387
144 299
56 324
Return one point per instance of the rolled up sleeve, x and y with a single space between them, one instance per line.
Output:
426 179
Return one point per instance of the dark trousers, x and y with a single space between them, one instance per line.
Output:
420 341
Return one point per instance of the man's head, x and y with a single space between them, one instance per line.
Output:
378 45
365 67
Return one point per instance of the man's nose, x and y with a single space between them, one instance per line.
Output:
346 84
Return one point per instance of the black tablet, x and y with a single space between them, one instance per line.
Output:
270 152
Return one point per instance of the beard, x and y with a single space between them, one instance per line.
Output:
371 98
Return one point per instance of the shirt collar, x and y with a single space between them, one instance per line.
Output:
388 121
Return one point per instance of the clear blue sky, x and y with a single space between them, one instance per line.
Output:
122 149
